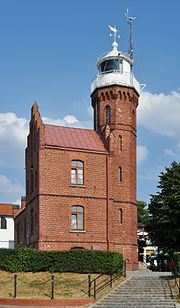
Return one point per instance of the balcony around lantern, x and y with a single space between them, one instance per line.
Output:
115 78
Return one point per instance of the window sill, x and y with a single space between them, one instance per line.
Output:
77 185
77 231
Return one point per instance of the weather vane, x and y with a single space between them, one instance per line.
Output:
129 21
114 30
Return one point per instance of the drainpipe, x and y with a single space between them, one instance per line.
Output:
107 201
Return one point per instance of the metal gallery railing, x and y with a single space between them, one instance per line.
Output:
102 281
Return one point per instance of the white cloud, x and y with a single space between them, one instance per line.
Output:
169 152
13 133
142 153
160 113
68 120
10 186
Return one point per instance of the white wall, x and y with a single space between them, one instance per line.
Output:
7 235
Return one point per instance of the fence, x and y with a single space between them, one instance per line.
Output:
102 281
55 286
43 285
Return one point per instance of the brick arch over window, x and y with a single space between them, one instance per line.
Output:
77 172
107 114
77 218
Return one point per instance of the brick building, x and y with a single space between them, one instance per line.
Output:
81 184
7 214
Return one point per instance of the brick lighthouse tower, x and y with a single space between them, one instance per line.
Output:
114 94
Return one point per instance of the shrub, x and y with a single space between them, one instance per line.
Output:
77 261
177 259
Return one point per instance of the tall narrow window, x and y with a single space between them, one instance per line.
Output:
77 218
77 172
3 222
108 113
120 143
119 174
120 216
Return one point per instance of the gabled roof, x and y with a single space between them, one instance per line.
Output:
73 138
9 209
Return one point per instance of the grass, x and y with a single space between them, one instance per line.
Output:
38 285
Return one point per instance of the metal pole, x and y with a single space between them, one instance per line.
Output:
15 285
89 285
52 286
111 281
94 288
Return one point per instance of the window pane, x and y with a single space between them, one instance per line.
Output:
73 176
80 209
73 221
120 216
80 163
3 223
73 163
74 209
80 177
80 221
119 174
107 114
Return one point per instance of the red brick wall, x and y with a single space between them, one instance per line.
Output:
123 103
102 194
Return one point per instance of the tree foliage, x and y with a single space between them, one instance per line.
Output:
164 209
142 212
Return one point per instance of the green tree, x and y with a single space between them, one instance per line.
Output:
164 209
142 212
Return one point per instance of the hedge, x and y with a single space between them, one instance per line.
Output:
76 261
177 259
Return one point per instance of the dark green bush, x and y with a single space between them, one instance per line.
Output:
77 261
177 259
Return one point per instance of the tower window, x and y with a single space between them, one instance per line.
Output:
77 172
120 216
77 218
3 222
120 174
108 112
120 143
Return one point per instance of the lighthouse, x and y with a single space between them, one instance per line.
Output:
114 95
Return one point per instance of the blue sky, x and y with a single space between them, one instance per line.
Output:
48 53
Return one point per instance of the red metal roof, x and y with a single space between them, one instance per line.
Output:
73 138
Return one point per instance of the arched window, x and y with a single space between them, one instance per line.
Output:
3 222
120 174
120 143
120 216
77 172
108 113
77 218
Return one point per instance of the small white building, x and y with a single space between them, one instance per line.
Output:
7 213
